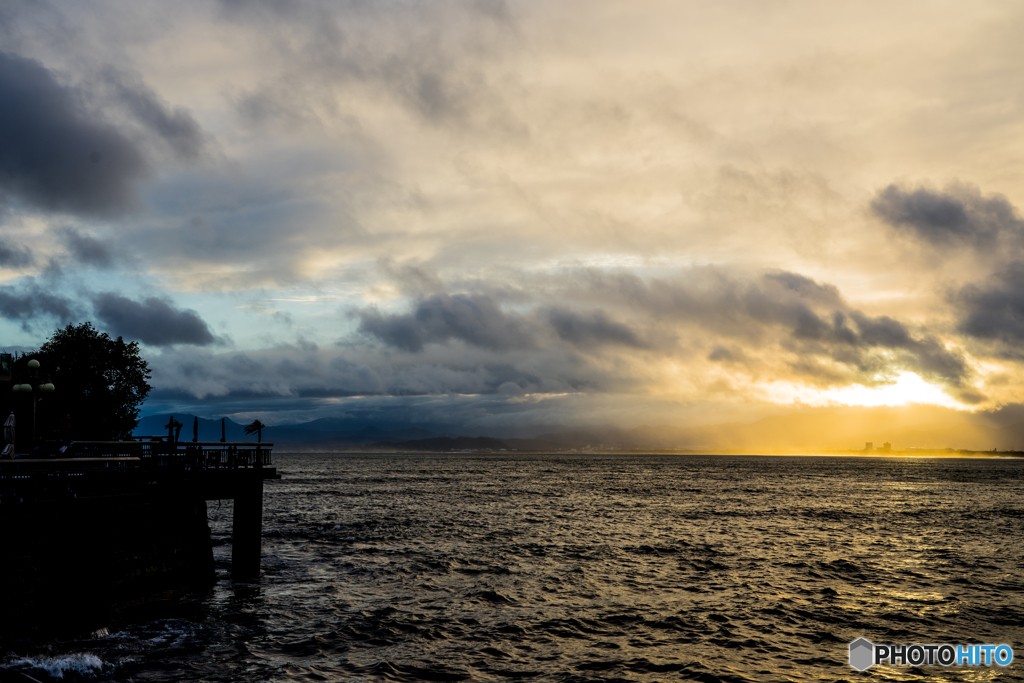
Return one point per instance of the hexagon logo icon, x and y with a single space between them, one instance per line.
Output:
862 654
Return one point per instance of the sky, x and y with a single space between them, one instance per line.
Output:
501 214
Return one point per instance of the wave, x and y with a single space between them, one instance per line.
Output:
83 664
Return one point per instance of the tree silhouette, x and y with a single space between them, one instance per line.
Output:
257 428
100 384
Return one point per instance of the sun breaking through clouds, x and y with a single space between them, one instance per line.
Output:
516 213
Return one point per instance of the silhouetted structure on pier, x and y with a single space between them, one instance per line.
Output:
110 523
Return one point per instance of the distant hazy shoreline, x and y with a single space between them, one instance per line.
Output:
989 455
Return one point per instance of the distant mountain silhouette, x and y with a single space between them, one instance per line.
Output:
209 430
927 427
321 434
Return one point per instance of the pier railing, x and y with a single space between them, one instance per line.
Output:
107 467
93 455
212 456
188 455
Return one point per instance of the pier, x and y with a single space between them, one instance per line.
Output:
106 524
188 470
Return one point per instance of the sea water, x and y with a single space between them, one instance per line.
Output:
507 567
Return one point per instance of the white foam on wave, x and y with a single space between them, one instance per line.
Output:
83 664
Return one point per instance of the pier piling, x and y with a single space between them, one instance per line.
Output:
247 527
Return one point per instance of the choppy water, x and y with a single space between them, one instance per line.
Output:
579 568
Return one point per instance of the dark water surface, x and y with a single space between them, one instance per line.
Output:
580 568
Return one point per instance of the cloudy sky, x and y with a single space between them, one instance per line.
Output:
505 213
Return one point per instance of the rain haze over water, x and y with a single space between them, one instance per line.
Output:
590 568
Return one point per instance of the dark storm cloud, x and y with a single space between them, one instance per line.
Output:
590 329
854 346
358 378
492 415
882 331
958 215
737 317
399 331
849 336
930 358
808 289
720 301
53 153
464 344
473 319
994 311
152 321
87 250
787 309
15 256
174 125
366 371
29 300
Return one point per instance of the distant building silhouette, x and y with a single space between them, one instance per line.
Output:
886 447
869 446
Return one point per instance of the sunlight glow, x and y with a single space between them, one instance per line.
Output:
908 388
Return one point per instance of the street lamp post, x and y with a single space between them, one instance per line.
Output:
35 386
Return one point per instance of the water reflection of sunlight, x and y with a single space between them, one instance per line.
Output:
909 596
